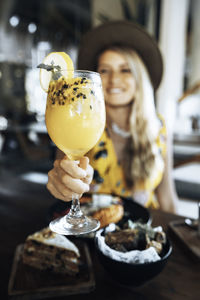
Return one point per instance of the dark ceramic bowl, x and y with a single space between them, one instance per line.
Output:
132 211
134 274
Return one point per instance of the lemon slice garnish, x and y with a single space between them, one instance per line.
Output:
63 65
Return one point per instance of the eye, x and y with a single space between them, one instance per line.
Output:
103 71
126 70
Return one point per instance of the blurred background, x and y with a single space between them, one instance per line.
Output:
31 29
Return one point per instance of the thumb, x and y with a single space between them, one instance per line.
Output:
84 161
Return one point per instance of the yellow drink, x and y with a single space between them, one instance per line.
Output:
75 114
75 120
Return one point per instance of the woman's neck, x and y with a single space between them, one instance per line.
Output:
121 136
119 115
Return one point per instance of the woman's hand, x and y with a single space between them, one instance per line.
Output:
69 178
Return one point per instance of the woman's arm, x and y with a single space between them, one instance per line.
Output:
166 192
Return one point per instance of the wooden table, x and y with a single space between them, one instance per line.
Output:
24 213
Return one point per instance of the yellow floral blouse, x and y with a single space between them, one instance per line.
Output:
108 173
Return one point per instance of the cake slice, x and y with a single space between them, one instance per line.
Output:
46 250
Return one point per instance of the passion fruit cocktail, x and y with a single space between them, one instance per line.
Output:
75 120
75 113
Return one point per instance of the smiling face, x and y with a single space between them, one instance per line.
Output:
118 82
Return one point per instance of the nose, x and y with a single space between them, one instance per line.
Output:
114 77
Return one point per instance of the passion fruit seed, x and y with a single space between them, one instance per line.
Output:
60 91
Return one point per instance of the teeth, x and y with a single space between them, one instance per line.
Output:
115 91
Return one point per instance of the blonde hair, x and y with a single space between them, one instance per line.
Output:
144 123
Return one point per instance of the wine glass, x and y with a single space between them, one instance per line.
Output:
75 120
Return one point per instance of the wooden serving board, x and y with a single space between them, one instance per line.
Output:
188 237
29 283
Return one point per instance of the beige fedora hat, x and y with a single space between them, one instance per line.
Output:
124 33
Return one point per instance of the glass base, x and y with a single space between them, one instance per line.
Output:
74 226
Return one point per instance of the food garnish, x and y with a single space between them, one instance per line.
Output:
54 66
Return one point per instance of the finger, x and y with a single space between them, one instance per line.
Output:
58 189
76 185
55 193
68 197
55 185
62 180
59 172
84 161
72 168
89 176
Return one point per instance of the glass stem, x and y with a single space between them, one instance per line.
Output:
75 210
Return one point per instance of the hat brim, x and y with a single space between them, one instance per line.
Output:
122 33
